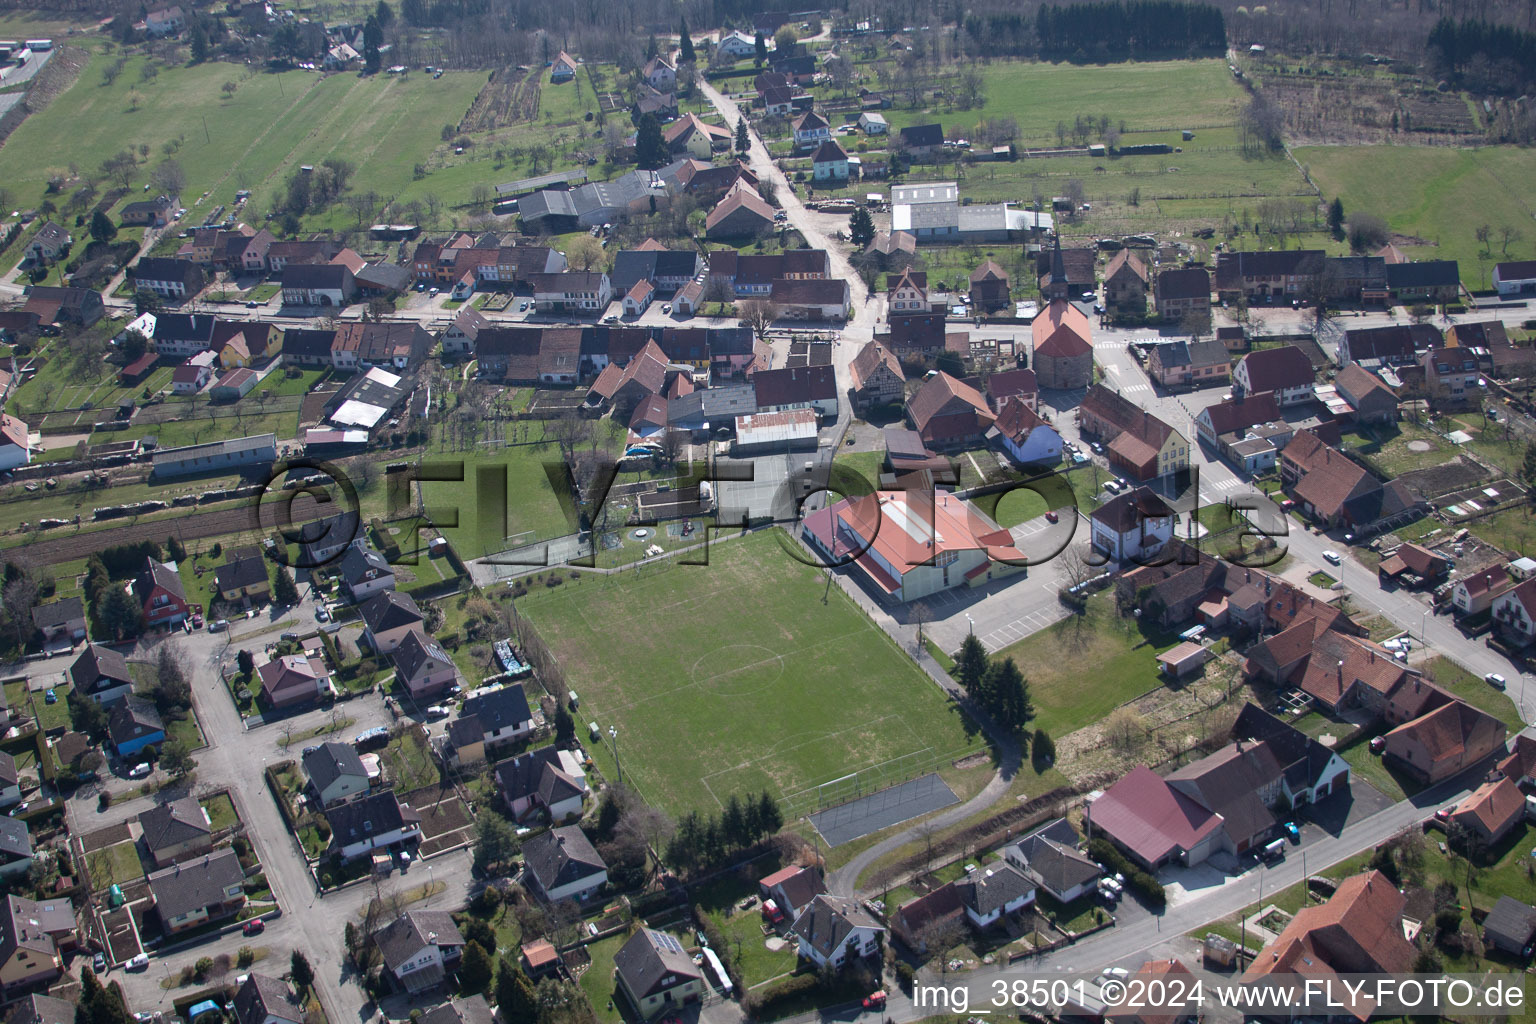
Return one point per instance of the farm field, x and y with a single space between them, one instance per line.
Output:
708 704
1438 197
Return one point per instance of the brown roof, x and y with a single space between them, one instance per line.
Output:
988 271
1450 729
1272 369
871 357
1015 419
1359 930
938 394
1126 260
1240 412
741 197
1009 383
1124 414
1493 806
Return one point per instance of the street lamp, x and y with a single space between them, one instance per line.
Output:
613 741
972 623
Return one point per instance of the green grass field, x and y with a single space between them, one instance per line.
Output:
1437 196
711 698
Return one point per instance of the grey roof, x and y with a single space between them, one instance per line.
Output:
1511 920
241 572
827 920
716 406
390 610
1055 859
331 761
8 775
934 215
41 1009
412 932
171 824
57 613
498 709
1228 783
652 962
1427 274
133 718
368 816
358 562
520 777
314 275
384 276
15 838
923 135
263 995
561 856
18 931
230 446
472 1010
1301 757
194 884
993 887
417 652
547 203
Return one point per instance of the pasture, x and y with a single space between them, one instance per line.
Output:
713 696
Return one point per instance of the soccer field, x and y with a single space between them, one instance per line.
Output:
734 677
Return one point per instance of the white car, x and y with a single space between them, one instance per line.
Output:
139 771
1494 680
321 614
1332 557
138 963
437 711
1115 972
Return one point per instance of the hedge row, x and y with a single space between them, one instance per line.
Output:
1103 851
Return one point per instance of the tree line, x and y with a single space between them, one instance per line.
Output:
1121 29
1494 58
708 840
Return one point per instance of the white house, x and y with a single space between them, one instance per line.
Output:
1517 278
1514 612
1020 432
1131 526
562 864
830 162
994 890
638 300
1050 857
370 823
811 130
738 45
832 930
193 375
335 772
15 449
10 781
1285 370
571 291
419 947
871 123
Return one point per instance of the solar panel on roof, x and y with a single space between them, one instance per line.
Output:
667 942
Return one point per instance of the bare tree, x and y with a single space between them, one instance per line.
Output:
1509 234
758 314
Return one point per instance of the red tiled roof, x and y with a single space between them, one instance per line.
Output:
1061 331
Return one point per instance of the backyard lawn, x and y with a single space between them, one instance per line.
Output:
707 704
597 980
117 864
221 811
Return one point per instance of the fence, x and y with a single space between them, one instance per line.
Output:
866 781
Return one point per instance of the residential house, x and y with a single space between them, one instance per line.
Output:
1370 400
1475 593
15 442
877 377
1490 811
334 772
752 275
571 292
1264 276
149 213
830 162
282 254
811 299
797 387
792 888
1355 279
387 618
833 931
368 824
1133 526
243 578
194 374
176 830
419 948
947 412
1020 384
993 891
289 680
1334 490
263 999
1430 281
655 973
16 852
365 573
1310 771
488 718
1182 293
308 348
134 724
167 277
1019 431
910 544
1063 347
1358 931
1193 364
1412 563
811 130
989 287
192 893
562 864
317 284
246 253
322 540
1436 745
423 665
1125 283
1515 278
546 779
158 591
1136 441
563 68
1154 975
362 345
29 955
1051 858
1285 370
1154 822
41 1009
101 674
459 338
921 141
1510 926
1233 417
1241 784
660 74
666 269
638 299
737 44
873 123
892 249
1452 377
1514 613
53 305
699 139
60 620
48 244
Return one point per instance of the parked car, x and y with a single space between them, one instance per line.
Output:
1292 831
1332 557
666 307
1051 516
1098 449
874 1001
1378 744
1115 972
50 697
1444 813
322 615
197 621
255 926
437 711
1495 680
138 963
99 963
218 625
